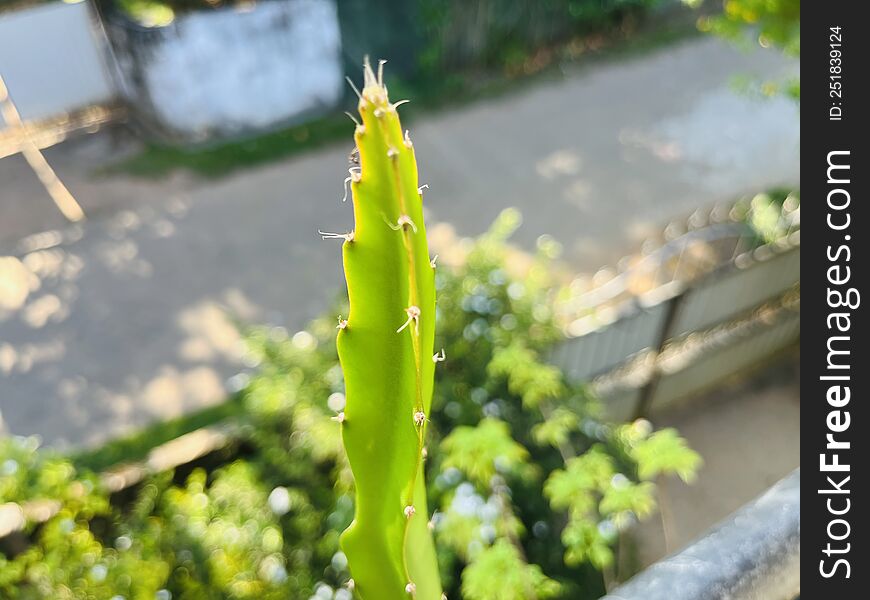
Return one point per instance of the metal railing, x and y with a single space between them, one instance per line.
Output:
753 555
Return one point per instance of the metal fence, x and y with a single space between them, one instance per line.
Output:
719 298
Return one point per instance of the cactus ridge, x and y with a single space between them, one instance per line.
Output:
384 346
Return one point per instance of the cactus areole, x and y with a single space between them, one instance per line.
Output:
385 346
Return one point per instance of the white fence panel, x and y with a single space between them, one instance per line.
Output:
706 303
603 349
729 359
722 296
51 57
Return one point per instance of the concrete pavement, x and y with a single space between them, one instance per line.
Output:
108 326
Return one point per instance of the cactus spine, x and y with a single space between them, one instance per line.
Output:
386 351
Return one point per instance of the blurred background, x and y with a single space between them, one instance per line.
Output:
165 166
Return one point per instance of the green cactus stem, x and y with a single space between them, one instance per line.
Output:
386 351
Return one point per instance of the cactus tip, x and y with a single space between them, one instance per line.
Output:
409 511
374 91
432 263
438 356
368 74
342 323
411 588
419 418
339 417
381 64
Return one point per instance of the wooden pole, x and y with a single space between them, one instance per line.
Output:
62 197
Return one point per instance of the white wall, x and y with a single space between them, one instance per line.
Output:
51 59
229 71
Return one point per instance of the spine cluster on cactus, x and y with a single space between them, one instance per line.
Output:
385 346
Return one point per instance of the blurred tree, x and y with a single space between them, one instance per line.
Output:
774 23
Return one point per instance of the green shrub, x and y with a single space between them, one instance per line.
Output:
504 33
526 476
773 23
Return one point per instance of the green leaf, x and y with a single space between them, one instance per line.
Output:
665 452
500 573
557 427
526 375
459 531
479 452
628 497
584 542
575 487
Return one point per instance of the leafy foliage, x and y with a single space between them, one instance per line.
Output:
525 375
665 452
518 579
556 430
67 561
28 475
776 23
504 33
574 487
602 500
532 489
480 452
265 527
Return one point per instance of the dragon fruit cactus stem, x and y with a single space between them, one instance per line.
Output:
385 346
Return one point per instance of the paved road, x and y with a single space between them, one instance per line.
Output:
106 327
